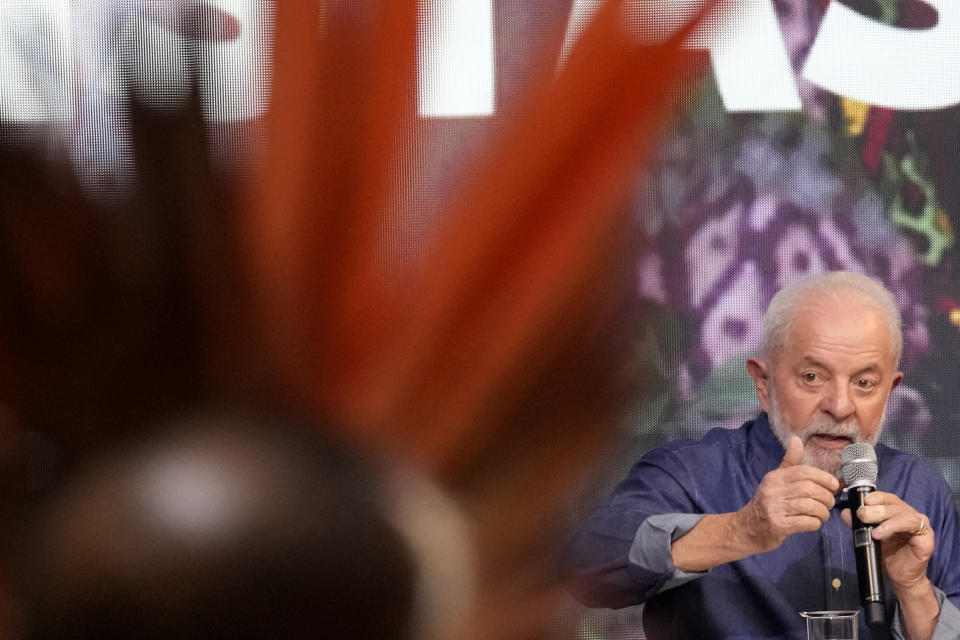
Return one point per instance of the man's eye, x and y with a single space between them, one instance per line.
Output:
863 383
809 377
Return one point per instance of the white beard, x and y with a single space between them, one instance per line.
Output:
826 459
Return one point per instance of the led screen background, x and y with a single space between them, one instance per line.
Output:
762 177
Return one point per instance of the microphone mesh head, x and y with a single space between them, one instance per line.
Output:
858 464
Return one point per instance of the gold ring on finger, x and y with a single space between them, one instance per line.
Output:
923 524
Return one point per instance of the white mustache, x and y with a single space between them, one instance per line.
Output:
849 429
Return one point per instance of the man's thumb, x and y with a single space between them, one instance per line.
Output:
794 455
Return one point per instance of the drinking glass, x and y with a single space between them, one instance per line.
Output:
831 625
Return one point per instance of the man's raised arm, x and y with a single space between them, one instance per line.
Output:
790 499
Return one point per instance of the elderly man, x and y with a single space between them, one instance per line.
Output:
733 535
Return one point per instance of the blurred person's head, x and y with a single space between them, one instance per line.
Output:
224 526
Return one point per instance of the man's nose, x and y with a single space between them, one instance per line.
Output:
838 401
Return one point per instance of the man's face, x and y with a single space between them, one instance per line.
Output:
830 382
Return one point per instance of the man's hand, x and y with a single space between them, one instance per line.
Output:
792 498
908 542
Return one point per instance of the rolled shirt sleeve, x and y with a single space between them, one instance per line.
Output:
650 557
948 624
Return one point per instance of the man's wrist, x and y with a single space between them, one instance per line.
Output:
717 539
747 531
919 591
919 608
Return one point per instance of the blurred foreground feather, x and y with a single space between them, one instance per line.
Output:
498 370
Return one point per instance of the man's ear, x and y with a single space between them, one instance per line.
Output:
897 379
760 372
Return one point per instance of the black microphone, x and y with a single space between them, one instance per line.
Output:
859 467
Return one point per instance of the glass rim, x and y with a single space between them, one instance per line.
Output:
829 614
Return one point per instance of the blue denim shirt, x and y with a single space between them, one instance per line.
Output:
620 555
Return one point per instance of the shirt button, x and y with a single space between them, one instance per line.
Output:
836 583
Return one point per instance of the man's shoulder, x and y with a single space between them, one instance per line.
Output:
718 438
889 456
703 466
907 471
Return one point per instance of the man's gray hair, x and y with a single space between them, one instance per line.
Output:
808 291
